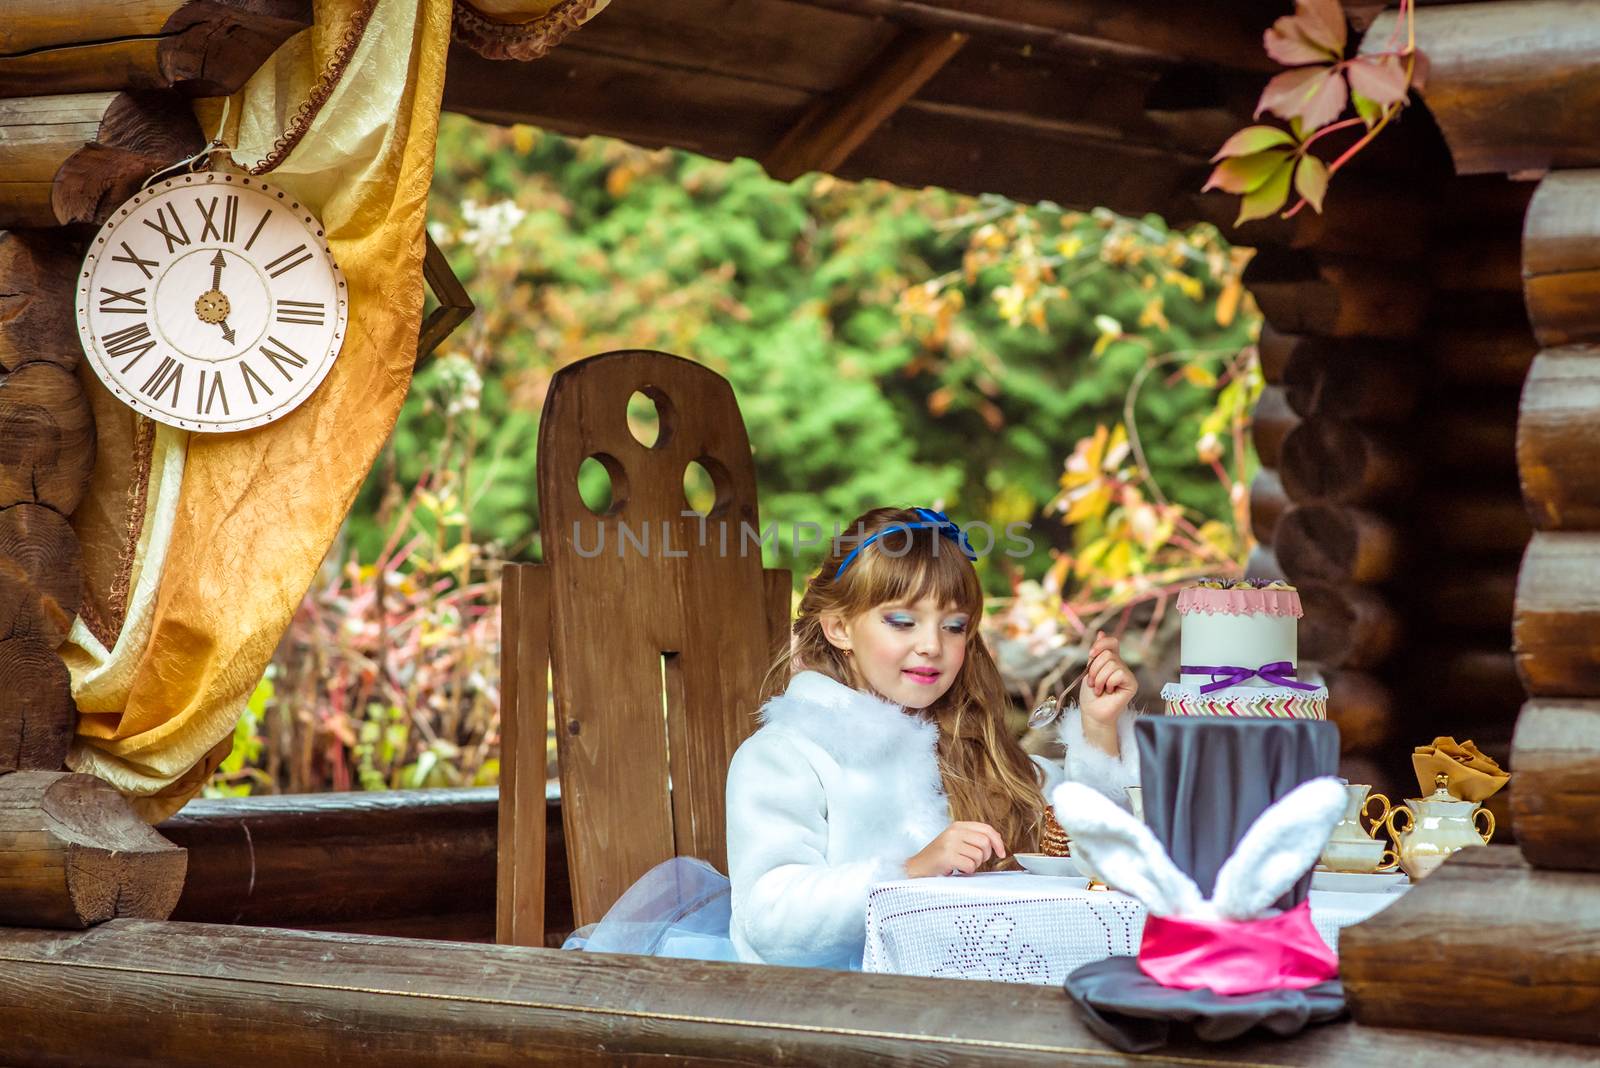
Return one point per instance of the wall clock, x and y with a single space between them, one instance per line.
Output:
210 302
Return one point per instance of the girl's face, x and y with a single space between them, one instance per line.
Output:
906 653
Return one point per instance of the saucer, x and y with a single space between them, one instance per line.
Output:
1040 864
1346 882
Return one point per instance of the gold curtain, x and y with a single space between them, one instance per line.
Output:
195 585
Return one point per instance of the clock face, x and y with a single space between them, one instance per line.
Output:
211 302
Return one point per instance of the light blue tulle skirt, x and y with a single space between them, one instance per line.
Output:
679 908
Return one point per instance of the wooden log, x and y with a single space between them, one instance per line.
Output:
1363 709
1494 355
36 306
1509 84
37 714
1267 504
73 854
836 125
1556 633
1345 626
1270 423
1471 435
1365 381
1558 439
1327 543
1467 690
1345 226
41 574
1479 264
1556 805
1561 259
74 159
1468 599
1274 349
46 438
1336 297
1338 461
1470 523
199 47
1484 945
356 1001
418 862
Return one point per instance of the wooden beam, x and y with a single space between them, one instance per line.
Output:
1561 257
198 47
1556 632
1329 296
1558 439
1513 86
36 308
414 862
73 159
1486 945
1556 754
46 438
73 854
836 125
273 997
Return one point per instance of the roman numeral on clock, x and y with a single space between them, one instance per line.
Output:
274 269
168 375
310 312
252 380
111 301
206 397
137 260
132 340
283 359
230 217
173 240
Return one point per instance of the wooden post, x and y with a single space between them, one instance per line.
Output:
524 715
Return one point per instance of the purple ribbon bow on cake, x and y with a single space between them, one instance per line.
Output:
1279 673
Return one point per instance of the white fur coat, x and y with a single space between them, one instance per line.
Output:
835 792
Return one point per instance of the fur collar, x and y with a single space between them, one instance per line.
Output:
854 728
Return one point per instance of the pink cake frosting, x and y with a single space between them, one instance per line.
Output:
1240 602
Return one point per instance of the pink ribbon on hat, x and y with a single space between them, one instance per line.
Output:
1282 952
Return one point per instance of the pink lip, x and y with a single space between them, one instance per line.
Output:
926 677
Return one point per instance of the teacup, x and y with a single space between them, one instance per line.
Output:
1359 855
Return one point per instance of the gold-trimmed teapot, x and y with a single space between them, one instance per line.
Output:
1436 826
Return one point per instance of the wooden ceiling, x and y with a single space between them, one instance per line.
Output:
1106 102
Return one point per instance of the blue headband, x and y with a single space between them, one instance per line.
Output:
931 520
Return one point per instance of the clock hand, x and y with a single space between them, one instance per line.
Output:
227 332
217 263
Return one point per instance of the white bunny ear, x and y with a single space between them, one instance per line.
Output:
1279 847
1123 851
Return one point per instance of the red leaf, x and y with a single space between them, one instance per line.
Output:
1243 174
1314 95
1284 44
1252 139
1311 181
1322 23
1381 78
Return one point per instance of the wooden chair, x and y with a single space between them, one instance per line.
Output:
655 629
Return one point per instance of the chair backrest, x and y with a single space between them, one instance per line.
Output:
660 623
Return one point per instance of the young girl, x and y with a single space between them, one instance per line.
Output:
887 756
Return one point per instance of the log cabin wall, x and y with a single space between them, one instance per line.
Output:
72 853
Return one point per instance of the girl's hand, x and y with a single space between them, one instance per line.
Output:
1108 686
961 847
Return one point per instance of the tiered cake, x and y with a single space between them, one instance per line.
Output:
1238 654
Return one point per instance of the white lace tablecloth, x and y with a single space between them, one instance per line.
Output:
1020 928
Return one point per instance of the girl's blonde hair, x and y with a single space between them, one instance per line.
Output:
987 777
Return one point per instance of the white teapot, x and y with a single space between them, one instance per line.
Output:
1436 826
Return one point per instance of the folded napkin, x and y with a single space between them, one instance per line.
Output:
1473 776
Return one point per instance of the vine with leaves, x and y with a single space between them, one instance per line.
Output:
1260 163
